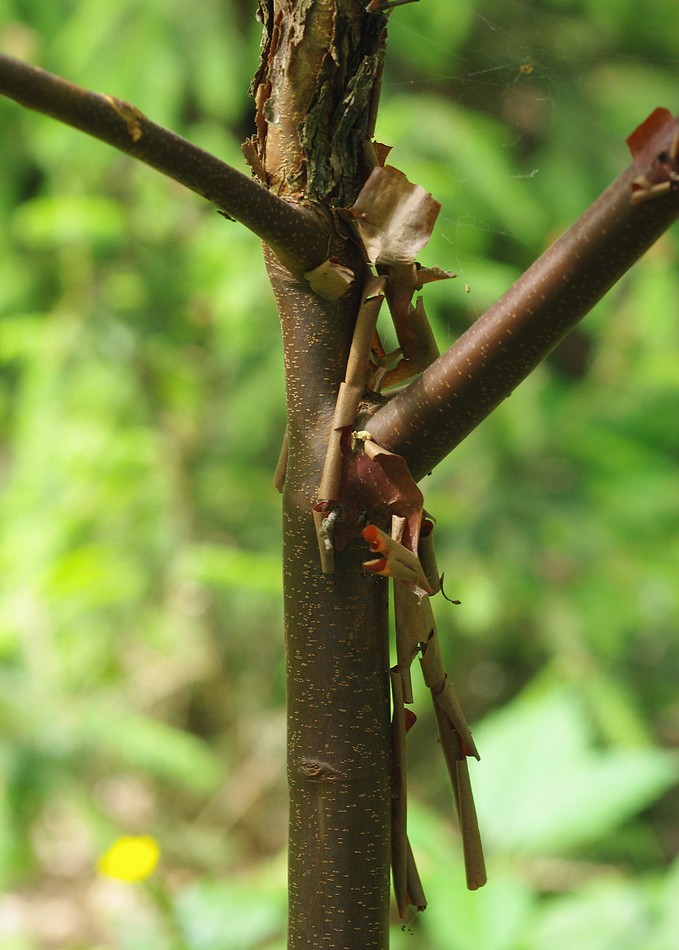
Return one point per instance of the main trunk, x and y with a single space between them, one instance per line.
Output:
316 91
336 628
338 747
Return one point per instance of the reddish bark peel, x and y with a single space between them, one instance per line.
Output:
652 136
655 147
376 484
394 560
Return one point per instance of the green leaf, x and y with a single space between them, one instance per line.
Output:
233 567
46 222
244 913
606 915
153 747
543 787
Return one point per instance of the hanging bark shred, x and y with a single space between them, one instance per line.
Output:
346 408
393 220
427 554
457 745
380 486
416 633
408 890
399 835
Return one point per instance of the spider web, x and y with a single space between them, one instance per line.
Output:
539 81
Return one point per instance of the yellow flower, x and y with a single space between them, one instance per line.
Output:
130 858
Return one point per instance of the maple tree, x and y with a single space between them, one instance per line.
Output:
342 229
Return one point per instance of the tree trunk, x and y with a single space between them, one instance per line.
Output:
336 630
316 91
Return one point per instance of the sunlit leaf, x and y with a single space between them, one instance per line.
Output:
543 786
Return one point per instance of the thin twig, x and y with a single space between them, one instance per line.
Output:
295 234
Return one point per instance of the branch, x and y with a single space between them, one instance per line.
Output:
427 419
295 234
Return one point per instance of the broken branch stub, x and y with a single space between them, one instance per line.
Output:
655 148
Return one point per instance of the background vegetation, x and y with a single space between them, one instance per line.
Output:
141 412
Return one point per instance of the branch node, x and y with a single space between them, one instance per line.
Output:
131 116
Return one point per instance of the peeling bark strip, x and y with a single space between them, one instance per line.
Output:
316 92
416 633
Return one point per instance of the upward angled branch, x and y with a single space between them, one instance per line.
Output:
296 235
428 418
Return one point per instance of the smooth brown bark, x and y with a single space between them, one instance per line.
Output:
338 747
336 630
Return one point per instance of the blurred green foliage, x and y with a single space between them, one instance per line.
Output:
141 412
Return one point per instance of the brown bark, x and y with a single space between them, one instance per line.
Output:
337 661
316 92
